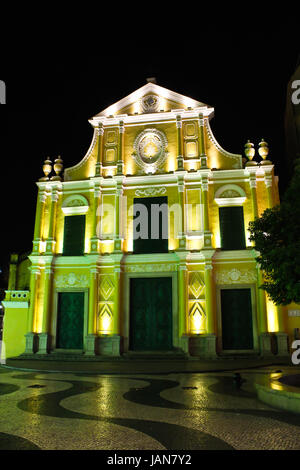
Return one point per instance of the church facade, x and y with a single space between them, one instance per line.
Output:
142 246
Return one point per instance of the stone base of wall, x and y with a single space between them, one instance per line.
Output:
43 340
90 345
282 344
108 345
265 346
203 346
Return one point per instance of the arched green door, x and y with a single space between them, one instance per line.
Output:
151 314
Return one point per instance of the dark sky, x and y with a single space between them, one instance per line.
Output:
241 67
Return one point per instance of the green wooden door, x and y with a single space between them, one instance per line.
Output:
151 314
237 328
70 314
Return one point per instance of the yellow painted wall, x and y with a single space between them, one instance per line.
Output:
262 196
15 327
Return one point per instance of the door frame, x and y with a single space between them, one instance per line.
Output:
126 316
255 348
55 313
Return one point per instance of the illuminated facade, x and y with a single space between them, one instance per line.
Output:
106 281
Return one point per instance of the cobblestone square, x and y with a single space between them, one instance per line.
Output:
176 411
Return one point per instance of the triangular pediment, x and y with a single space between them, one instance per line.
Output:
150 98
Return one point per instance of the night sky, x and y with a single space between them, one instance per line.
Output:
241 69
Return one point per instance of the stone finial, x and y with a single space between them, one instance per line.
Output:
47 168
263 150
58 166
249 152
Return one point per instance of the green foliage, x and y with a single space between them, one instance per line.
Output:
277 238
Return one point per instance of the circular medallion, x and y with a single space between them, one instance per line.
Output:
150 103
150 148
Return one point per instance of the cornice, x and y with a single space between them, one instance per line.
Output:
148 88
162 117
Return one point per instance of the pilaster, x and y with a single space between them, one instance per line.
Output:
120 162
179 143
40 208
34 279
43 335
118 212
207 242
182 297
252 182
181 197
95 241
100 132
203 156
209 299
50 243
264 336
268 171
117 303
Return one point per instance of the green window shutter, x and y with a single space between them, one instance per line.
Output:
74 234
232 230
152 245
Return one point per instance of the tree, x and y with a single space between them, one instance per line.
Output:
276 235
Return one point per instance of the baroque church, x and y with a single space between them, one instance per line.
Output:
143 247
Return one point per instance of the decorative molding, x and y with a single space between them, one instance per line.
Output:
235 276
150 103
151 191
106 287
268 181
17 295
100 130
145 141
230 194
157 90
106 301
75 204
196 302
232 201
71 280
196 285
149 268
43 196
229 191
